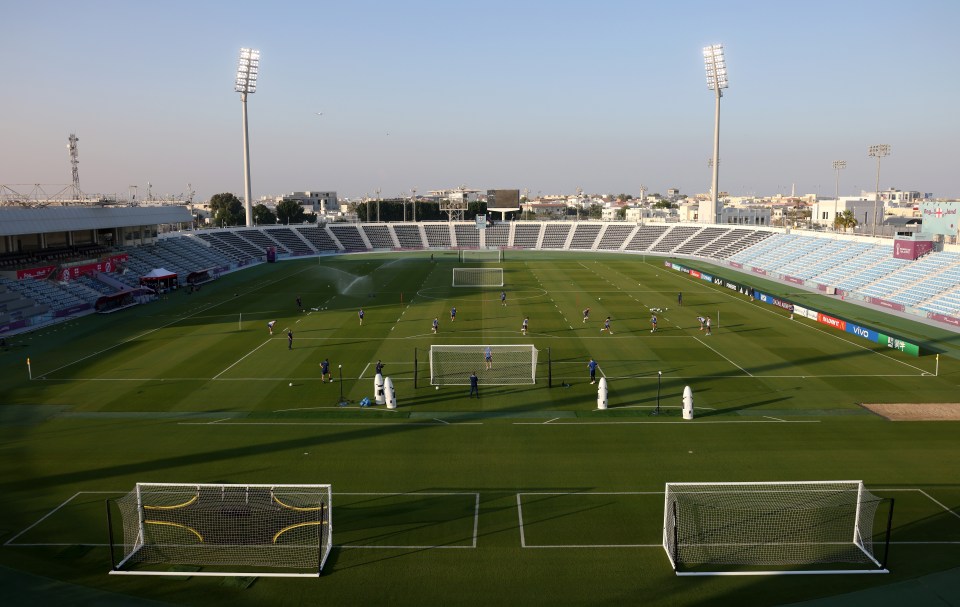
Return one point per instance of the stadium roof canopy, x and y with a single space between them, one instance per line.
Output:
16 220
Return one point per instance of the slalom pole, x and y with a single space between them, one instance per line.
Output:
30 371
240 322
936 373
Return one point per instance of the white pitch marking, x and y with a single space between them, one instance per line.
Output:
725 358
238 362
774 418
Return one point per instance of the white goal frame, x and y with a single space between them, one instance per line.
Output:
481 255
763 516
484 277
311 509
509 364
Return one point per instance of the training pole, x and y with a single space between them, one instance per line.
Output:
936 373
549 370
414 368
30 371
240 322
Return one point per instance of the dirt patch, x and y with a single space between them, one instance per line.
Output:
902 412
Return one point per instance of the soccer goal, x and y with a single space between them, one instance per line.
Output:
481 255
771 528
451 365
478 277
227 530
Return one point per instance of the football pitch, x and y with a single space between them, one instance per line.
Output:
529 494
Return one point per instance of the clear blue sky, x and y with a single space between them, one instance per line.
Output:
548 96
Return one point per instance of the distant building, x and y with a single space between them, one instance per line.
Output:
320 203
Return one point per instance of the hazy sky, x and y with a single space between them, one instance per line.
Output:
546 96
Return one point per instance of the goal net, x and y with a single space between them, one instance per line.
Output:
478 277
238 530
480 255
761 528
451 365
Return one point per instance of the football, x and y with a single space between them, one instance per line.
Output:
291 384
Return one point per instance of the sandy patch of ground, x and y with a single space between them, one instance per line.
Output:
900 412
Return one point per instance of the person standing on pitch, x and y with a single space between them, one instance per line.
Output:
680 299
289 339
586 314
436 325
299 304
524 326
606 326
503 298
488 357
325 371
453 314
653 323
707 325
360 314
474 388
379 367
592 365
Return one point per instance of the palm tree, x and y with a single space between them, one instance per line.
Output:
845 220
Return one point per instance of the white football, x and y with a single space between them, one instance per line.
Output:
437 387
291 384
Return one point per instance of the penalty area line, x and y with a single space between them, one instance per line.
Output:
241 358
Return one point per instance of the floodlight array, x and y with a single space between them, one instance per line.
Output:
879 151
716 67
247 69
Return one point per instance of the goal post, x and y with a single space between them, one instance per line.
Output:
766 528
451 365
224 530
478 277
480 255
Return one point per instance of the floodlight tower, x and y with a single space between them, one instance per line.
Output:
74 161
838 165
716 81
247 69
878 152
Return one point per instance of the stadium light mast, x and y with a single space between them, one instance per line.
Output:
716 67
838 165
247 69
878 152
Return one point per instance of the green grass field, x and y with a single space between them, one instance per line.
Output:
527 495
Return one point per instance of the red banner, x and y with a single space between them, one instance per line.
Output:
41 272
796 281
106 265
911 249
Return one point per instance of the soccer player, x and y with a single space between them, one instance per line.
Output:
606 326
325 371
474 388
702 321
360 314
680 299
270 326
299 303
503 298
453 314
707 324
488 357
586 314
289 339
653 323
379 367
592 365
524 326
436 325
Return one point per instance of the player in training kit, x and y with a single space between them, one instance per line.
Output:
289 340
707 325
524 326
436 325
606 326
680 299
592 365
453 314
360 314
474 388
702 321
270 326
653 323
299 303
586 314
379 367
503 298
488 357
325 371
